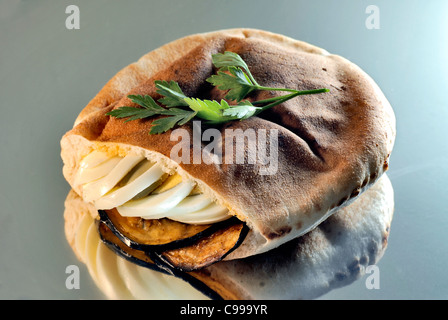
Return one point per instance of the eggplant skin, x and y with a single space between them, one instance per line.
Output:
175 234
146 260
116 245
196 252
207 250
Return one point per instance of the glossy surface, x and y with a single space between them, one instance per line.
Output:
49 73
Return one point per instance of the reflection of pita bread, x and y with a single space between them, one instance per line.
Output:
333 255
331 147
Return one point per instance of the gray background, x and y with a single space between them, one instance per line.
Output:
49 73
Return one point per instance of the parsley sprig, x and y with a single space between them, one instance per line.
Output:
233 75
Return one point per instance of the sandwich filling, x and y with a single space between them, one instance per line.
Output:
153 213
137 187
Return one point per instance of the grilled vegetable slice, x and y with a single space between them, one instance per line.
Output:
207 250
192 253
157 234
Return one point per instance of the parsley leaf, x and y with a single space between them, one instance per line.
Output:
237 82
173 95
228 59
177 116
242 111
150 108
145 101
131 112
207 109
215 112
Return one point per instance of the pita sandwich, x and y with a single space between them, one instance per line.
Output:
186 215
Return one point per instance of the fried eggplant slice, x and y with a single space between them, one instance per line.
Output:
156 234
187 253
207 250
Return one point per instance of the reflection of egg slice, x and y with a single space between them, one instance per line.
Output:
147 284
92 242
81 236
107 270
133 281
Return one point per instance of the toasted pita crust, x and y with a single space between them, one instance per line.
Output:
333 255
332 146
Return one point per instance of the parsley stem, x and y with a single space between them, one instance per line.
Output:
275 89
289 96
272 102
273 99
251 77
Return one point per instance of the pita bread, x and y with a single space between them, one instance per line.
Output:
331 147
333 255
